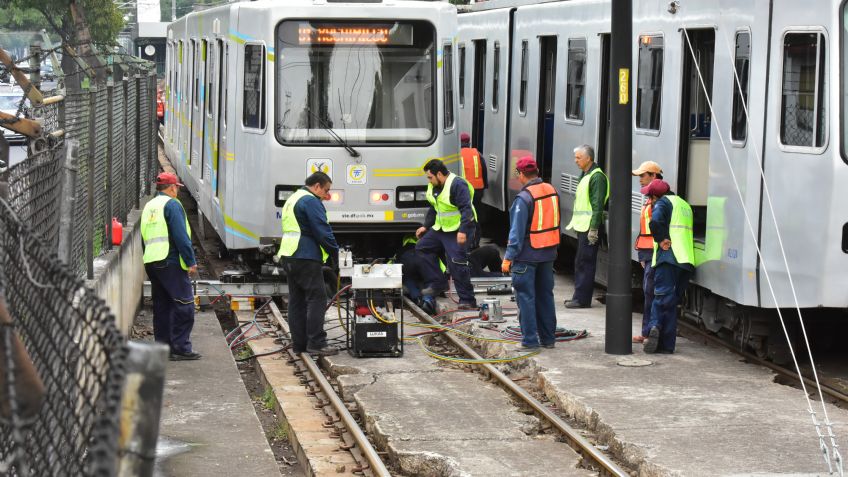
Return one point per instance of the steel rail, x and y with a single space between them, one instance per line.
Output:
575 439
375 463
752 357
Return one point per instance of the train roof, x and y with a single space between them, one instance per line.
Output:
498 4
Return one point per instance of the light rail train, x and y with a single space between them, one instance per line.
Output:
534 78
261 94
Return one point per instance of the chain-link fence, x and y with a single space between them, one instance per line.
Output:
93 159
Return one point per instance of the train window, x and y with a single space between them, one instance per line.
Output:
575 96
461 76
802 112
210 73
496 75
253 114
224 75
739 127
447 77
195 72
649 82
522 97
378 88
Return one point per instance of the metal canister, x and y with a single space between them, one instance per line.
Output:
495 310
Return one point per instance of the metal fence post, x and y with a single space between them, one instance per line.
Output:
141 407
4 151
89 226
68 200
110 152
153 164
138 188
126 179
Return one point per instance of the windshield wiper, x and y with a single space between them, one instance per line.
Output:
353 152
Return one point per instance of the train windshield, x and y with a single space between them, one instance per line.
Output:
369 82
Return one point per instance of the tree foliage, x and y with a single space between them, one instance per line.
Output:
103 16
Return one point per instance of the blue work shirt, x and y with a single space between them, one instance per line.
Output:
314 229
518 247
660 221
179 243
461 199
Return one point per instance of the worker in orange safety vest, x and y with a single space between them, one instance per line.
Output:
472 165
646 172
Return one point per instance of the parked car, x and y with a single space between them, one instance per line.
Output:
10 98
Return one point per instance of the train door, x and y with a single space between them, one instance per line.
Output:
198 117
602 154
693 169
547 100
209 103
479 111
190 73
220 118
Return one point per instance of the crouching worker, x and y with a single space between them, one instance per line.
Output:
534 235
307 243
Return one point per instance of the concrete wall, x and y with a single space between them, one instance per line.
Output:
119 275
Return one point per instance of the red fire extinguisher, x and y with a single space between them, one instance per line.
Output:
117 231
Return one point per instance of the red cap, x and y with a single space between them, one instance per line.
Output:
465 137
166 178
656 188
526 164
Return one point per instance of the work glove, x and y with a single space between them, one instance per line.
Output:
592 236
505 265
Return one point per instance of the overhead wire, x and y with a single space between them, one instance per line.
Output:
823 446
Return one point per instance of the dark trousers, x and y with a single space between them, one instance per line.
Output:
648 290
670 283
411 274
432 245
534 292
584 269
485 257
173 305
307 304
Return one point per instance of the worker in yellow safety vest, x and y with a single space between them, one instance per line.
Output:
448 229
587 220
168 261
307 243
673 262
646 172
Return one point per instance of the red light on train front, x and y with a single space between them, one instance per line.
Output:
336 197
380 197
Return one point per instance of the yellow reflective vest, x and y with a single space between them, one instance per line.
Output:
581 218
154 230
291 228
448 216
679 232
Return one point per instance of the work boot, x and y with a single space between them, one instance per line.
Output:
576 304
190 356
652 341
467 306
327 350
428 304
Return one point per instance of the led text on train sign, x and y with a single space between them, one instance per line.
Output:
354 34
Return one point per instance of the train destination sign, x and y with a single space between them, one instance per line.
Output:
354 34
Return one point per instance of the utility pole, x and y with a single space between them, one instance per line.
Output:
619 316
173 10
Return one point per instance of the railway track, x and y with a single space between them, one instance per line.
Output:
828 390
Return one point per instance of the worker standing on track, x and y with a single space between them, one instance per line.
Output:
534 236
307 243
647 172
169 260
587 220
673 262
448 228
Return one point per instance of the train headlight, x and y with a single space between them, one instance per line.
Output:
421 195
283 195
380 197
407 196
336 197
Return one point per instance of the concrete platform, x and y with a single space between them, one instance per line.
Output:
208 426
698 412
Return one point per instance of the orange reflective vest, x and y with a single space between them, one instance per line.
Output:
472 167
645 239
544 226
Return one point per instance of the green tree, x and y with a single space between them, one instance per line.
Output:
103 17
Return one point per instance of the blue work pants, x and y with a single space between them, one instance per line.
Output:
173 305
430 247
307 304
648 290
585 262
534 292
670 283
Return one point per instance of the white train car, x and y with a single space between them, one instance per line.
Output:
789 61
261 94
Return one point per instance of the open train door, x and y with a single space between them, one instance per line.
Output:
547 102
479 108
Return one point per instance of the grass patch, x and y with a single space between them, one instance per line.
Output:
281 432
269 399
245 353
